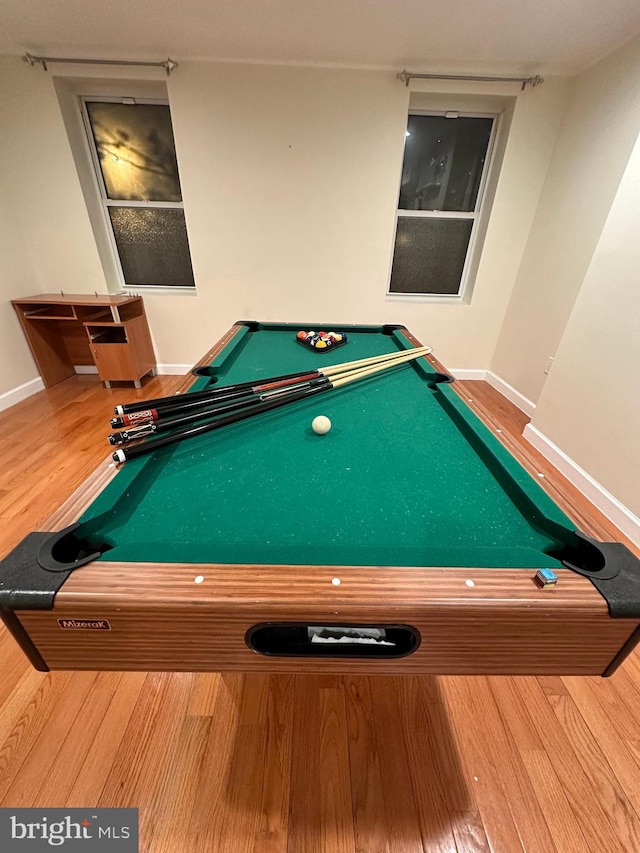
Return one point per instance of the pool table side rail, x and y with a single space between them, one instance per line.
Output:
162 619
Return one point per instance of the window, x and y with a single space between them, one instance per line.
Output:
443 176
135 160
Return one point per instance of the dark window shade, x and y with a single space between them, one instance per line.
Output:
429 255
152 244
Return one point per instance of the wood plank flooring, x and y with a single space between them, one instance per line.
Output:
302 764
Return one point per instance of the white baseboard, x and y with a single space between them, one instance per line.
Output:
465 373
174 369
499 384
165 369
523 403
616 512
16 395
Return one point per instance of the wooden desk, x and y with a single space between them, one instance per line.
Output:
64 331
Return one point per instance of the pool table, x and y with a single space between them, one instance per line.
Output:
405 540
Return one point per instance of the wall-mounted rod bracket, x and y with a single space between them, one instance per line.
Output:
407 76
168 64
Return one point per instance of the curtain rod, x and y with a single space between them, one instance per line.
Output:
168 64
406 76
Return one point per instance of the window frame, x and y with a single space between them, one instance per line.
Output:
478 215
106 202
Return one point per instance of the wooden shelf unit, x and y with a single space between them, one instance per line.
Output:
65 331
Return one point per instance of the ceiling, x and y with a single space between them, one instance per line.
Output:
481 36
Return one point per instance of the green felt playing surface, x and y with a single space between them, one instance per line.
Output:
406 476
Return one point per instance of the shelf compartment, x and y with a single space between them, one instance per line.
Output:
93 315
107 334
131 311
48 312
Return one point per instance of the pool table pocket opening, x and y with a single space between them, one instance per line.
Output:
295 639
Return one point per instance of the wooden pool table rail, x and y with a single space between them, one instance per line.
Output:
161 619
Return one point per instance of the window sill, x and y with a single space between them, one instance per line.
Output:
433 298
157 290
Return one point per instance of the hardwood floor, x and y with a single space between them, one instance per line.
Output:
307 763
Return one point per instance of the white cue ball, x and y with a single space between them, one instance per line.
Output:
321 425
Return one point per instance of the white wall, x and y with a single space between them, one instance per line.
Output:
590 405
46 243
16 279
290 180
38 173
598 134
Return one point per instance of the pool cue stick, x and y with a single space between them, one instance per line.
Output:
172 420
276 402
242 388
258 384
219 405
152 410
179 418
